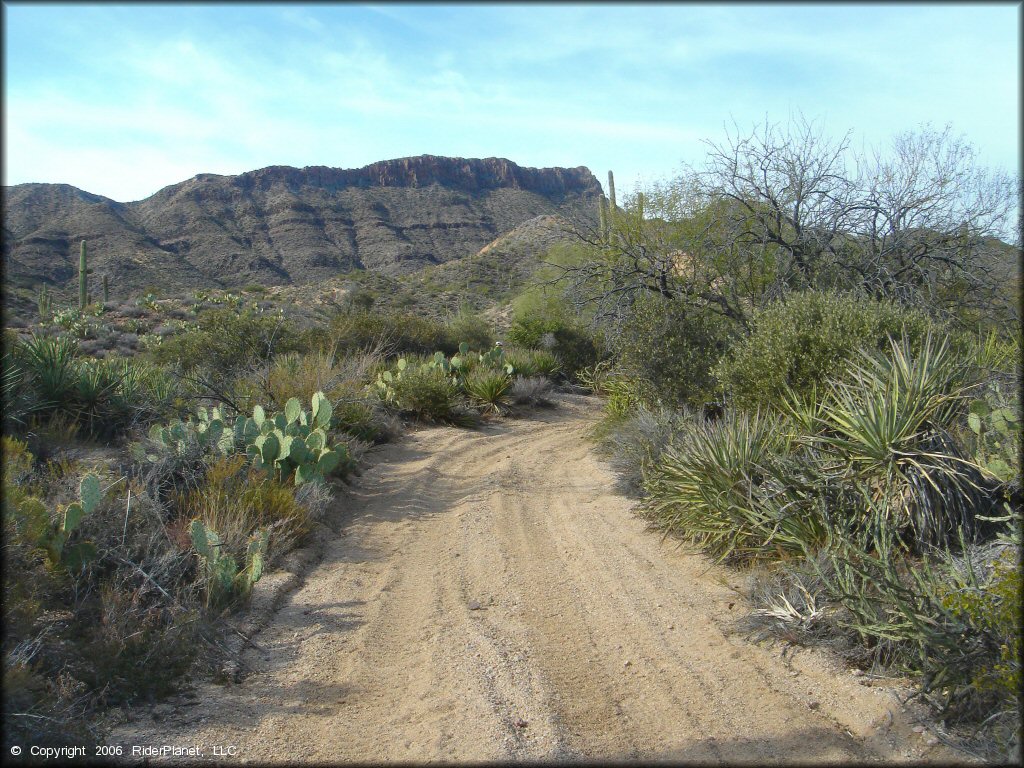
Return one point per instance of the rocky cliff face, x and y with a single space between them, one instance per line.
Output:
282 225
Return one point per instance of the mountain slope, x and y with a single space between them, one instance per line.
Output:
282 225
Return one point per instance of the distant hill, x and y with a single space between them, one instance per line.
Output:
282 225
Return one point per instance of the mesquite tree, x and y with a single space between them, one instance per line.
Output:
786 208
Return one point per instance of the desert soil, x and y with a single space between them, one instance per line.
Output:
489 596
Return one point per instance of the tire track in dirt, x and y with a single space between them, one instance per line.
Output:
490 598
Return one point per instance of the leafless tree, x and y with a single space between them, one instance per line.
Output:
786 208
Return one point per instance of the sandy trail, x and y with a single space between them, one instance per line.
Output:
491 598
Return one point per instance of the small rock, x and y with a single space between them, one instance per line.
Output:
627 663
930 740
919 729
813 704
793 673
671 626
474 605
857 672
520 723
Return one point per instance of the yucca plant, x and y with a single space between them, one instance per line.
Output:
885 426
546 363
488 389
96 402
53 365
733 488
19 402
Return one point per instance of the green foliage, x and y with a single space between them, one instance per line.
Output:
636 440
733 488
390 334
471 329
424 391
671 348
544 321
53 365
952 617
224 581
995 423
225 342
884 426
798 343
33 524
488 389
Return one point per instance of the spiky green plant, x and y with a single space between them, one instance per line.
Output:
885 425
732 488
53 365
488 389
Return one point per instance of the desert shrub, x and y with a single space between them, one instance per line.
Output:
951 617
361 415
546 323
530 390
136 648
226 341
733 487
533 362
636 441
388 334
671 348
798 343
471 329
427 393
488 389
236 501
301 375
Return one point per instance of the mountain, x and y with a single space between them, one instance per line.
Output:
283 225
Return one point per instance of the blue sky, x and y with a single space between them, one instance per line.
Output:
122 100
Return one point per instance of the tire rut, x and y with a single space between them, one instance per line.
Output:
492 599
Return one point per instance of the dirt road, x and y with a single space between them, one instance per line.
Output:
490 598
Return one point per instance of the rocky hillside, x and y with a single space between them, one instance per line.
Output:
282 225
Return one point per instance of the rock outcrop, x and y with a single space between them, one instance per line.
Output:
281 225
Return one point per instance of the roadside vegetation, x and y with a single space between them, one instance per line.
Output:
809 374
151 476
829 400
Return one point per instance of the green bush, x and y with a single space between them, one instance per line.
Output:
389 334
546 323
951 617
226 342
426 393
671 349
471 329
800 342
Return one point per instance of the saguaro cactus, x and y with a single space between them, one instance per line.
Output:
83 280
611 192
106 289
